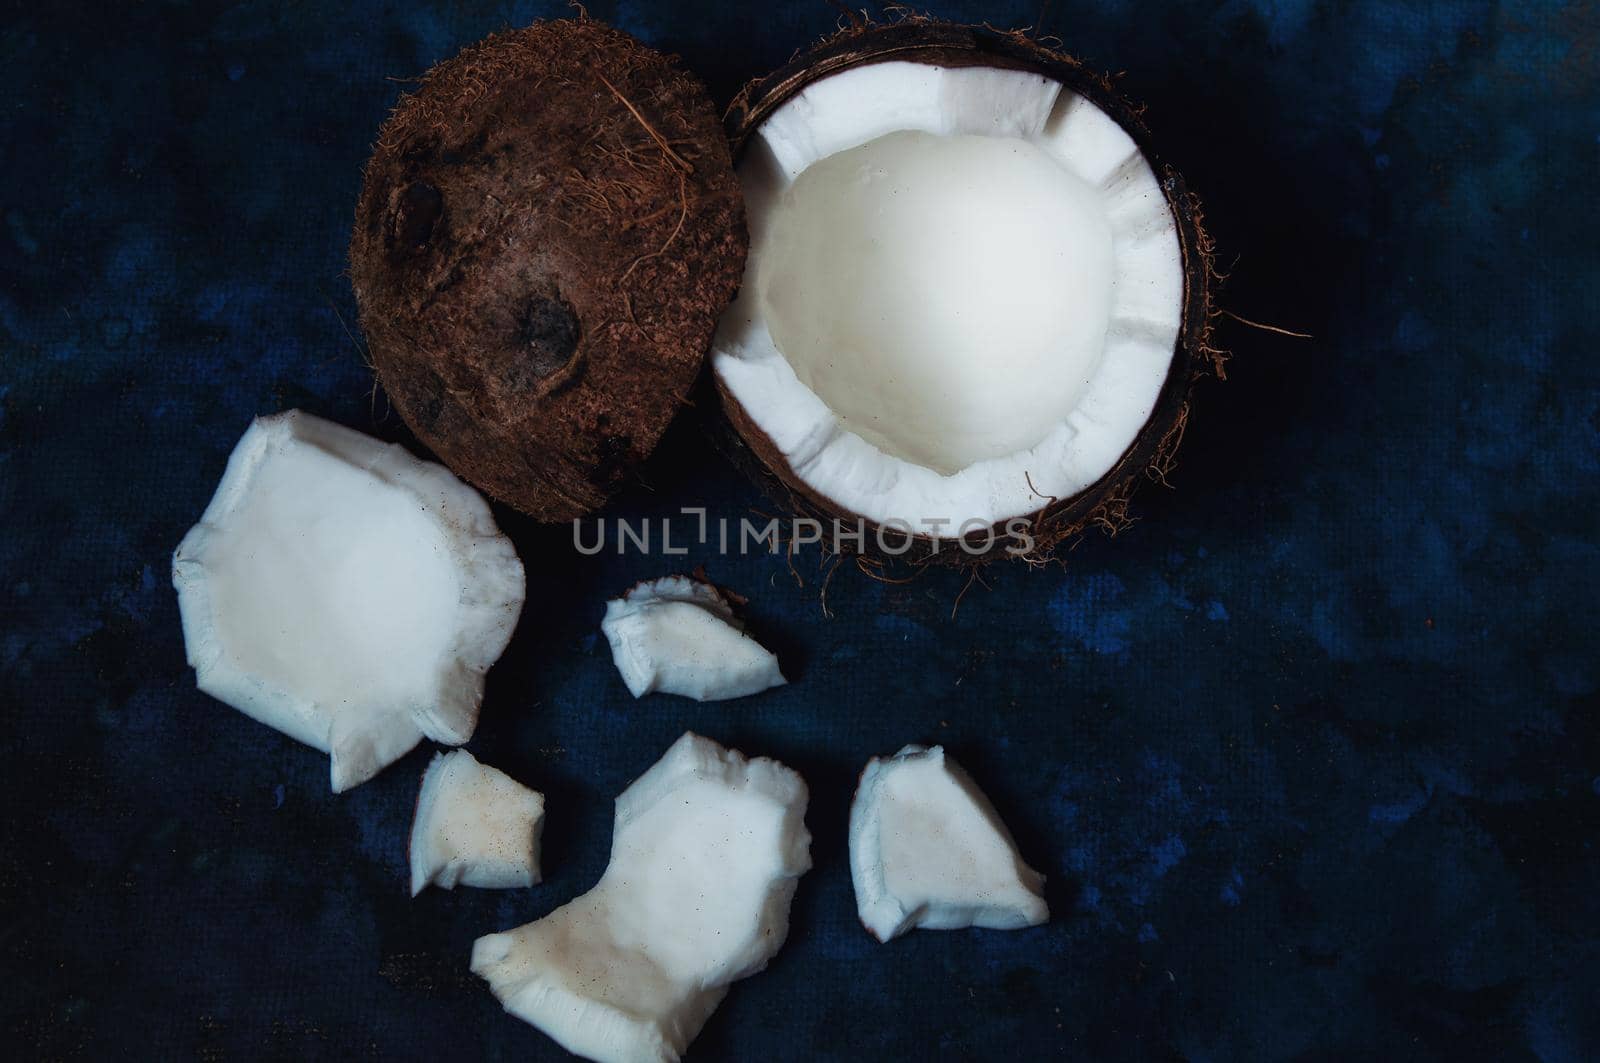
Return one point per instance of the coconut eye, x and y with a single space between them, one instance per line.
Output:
548 332
416 212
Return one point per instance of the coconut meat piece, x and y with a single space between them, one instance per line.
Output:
474 826
707 848
346 593
679 635
928 850
960 280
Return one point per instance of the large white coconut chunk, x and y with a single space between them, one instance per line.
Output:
928 850
706 852
346 593
679 635
475 826
939 261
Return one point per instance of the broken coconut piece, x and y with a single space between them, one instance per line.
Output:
475 825
679 635
346 593
706 852
970 295
928 850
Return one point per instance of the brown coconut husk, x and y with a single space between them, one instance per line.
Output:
1105 505
547 232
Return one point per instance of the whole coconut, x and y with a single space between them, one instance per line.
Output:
547 232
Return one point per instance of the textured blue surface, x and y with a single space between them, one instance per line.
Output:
1311 755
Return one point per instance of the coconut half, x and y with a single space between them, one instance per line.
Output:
679 635
707 849
547 231
346 593
971 296
474 826
928 850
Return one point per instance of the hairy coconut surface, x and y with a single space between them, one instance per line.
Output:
548 229
1151 454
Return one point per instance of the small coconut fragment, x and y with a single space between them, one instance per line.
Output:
475 825
346 593
706 852
928 850
679 635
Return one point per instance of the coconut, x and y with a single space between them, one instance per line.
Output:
706 852
975 301
547 231
346 593
928 850
474 825
679 635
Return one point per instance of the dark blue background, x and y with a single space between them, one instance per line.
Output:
1311 755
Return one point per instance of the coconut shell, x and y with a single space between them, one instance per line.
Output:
547 232
1153 453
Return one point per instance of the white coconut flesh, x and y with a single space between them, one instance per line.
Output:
928 850
346 593
474 826
706 851
960 280
679 635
